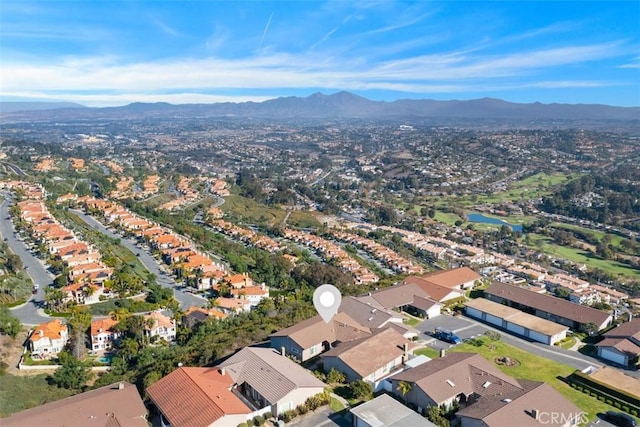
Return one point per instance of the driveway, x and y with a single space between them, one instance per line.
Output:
323 417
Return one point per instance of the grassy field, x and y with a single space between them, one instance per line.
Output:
529 188
537 368
582 257
18 393
615 239
251 212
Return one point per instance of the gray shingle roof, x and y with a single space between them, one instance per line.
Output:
269 373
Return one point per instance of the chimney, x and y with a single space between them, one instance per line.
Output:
41 332
443 352
121 385
223 371
405 348
535 413
282 351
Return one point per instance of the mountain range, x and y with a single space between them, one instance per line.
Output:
337 105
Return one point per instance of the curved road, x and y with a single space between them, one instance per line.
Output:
150 263
31 312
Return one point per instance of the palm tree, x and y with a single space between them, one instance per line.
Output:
404 388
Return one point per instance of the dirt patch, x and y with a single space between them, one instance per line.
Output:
10 351
509 362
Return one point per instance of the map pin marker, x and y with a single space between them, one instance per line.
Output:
327 299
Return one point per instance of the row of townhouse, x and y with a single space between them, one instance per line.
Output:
187 195
246 235
581 291
392 259
87 273
186 261
28 189
331 251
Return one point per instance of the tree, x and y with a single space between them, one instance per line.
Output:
79 322
361 390
435 415
9 324
404 388
72 374
336 377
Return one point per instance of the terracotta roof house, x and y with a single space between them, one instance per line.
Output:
456 377
109 406
386 411
232 305
548 307
160 326
536 404
369 358
198 397
458 278
270 380
195 315
103 335
436 292
621 344
313 336
48 339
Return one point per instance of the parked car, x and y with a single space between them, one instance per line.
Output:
620 419
446 336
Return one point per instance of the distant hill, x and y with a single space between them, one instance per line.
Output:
348 105
12 107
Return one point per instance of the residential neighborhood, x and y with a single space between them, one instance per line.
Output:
164 271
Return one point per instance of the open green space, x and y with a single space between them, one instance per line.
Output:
529 188
303 220
581 256
536 368
615 239
248 211
18 393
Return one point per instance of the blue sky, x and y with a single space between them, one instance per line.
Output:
115 52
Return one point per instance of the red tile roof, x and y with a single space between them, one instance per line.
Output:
195 397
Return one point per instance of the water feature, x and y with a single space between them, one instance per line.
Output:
477 217
105 359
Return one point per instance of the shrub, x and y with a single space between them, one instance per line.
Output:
608 402
287 416
258 420
573 385
267 415
617 404
242 425
625 409
302 409
601 398
634 412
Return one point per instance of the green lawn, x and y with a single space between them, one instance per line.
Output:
615 239
18 393
429 352
581 256
336 405
537 368
412 321
447 218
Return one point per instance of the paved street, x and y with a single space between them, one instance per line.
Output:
30 313
322 417
150 263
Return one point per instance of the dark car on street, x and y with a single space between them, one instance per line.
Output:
619 419
446 336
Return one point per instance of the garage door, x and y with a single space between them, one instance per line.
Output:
517 329
537 336
494 320
605 353
473 312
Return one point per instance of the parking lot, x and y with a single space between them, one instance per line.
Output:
460 326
